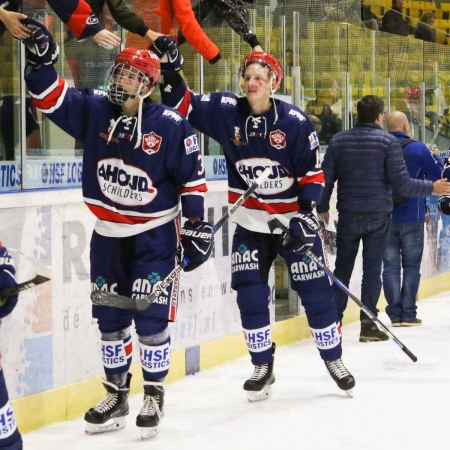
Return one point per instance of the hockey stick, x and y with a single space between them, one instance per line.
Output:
14 290
140 304
275 223
31 283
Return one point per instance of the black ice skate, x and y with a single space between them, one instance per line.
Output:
259 385
110 413
341 375
152 410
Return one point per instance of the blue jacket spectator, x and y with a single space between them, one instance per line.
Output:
422 166
404 248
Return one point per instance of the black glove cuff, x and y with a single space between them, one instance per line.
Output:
253 41
215 59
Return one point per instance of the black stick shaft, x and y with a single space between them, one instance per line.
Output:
344 288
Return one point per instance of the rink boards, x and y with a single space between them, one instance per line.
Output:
50 345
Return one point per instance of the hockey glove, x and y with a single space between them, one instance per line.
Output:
303 229
167 51
7 279
197 243
41 48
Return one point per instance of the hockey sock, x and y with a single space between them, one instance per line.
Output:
9 434
117 348
259 344
155 355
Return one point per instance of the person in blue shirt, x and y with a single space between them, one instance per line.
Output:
404 249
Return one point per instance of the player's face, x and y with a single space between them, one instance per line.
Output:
256 85
128 79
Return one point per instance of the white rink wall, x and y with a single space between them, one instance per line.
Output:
51 340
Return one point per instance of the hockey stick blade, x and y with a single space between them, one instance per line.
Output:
275 223
14 290
104 298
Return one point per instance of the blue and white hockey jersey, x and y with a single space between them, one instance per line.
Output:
129 190
285 141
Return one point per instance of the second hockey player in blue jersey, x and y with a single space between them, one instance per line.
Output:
139 160
257 131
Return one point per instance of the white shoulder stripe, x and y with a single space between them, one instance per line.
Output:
58 103
51 88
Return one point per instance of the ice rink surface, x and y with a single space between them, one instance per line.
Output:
397 404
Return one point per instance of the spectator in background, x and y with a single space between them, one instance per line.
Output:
330 124
425 29
367 163
395 22
328 93
405 242
369 19
317 124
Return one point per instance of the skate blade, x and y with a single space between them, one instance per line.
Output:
257 396
349 393
111 425
149 432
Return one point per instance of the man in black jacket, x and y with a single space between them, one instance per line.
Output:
367 163
395 22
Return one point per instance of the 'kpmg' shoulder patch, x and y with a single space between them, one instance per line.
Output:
172 115
191 144
225 100
99 92
313 140
151 143
298 115
278 139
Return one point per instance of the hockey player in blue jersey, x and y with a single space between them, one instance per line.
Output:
256 131
140 160
9 434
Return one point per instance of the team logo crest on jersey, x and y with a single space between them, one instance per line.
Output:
236 139
151 143
277 139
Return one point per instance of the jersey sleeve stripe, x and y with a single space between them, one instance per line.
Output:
77 21
53 100
47 91
272 208
184 106
193 189
199 182
308 179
